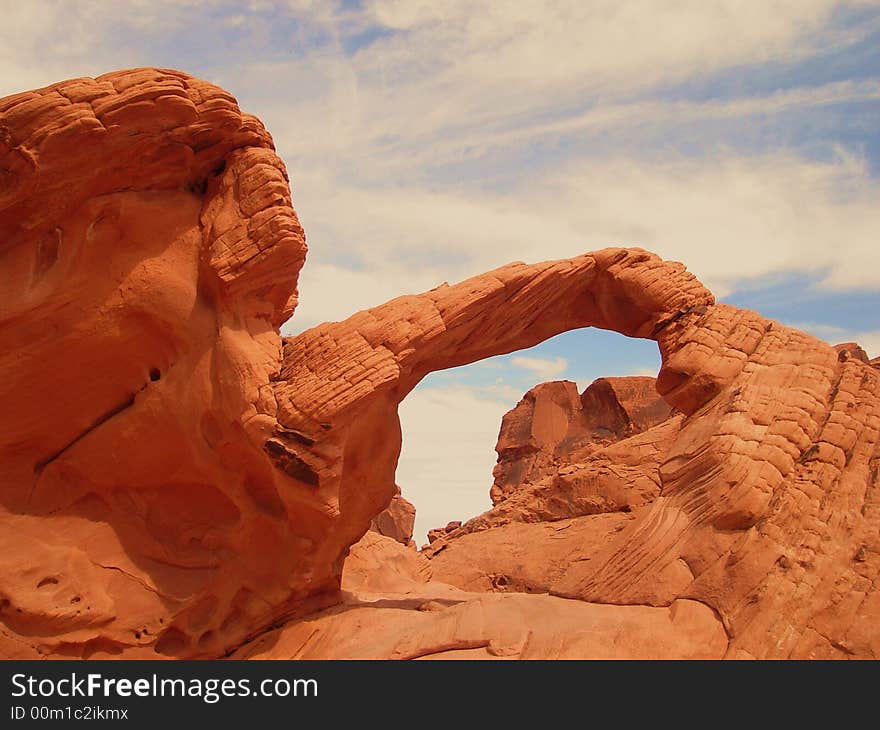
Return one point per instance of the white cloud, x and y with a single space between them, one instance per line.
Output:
330 293
652 372
516 54
730 217
828 332
542 368
870 342
360 134
835 335
452 79
42 42
449 436
504 392
617 116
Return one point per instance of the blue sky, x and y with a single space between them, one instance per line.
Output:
430 141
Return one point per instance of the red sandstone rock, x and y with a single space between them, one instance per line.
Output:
396 520
380 564
441 623
619 478
439 532
173 482
532 433
852 349
148 254
624 406
553 426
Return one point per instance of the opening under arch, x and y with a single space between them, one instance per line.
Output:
451 420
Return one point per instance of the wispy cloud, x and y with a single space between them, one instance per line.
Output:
644 372
603 116
446 79
835 334
371 104
540 367
729 216
499 390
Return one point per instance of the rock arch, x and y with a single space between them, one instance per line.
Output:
341 383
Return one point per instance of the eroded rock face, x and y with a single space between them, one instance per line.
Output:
619 478
847 350
439 532
175 480
148 254
553 426
396 520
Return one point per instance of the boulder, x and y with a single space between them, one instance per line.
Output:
396 520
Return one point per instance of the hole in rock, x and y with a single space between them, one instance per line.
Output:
451 420
197 187
171 642
48 581
48 251
155 374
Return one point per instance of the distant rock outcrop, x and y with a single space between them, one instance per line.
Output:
439 532
552 426
396 520
178 481
852 349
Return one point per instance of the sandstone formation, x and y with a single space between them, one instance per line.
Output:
396 520
439 623
552 425
847 350
380 564
439 532
176 481
609 463
148 255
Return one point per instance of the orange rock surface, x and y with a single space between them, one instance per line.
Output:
396 520
439 532
552 425
148 255
176 481
597 469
